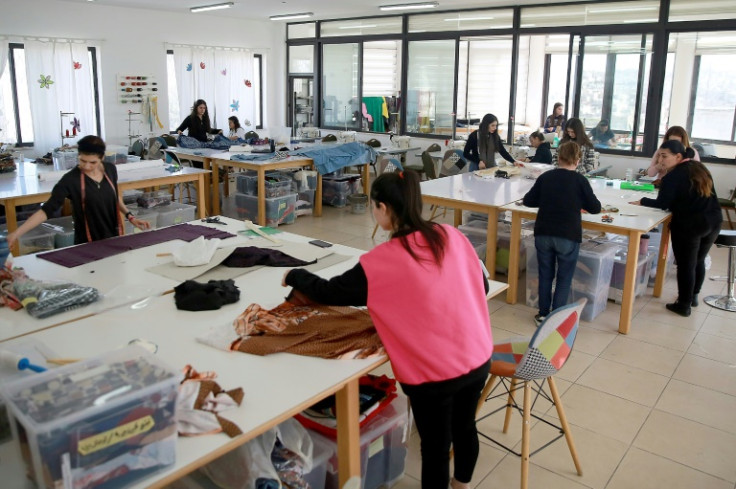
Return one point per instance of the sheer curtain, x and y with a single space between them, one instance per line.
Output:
60 80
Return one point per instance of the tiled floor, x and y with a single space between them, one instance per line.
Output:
653 409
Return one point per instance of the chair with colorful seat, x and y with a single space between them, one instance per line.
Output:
387 165
453 163
421 169
529 362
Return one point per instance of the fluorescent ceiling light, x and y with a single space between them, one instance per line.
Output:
303 15
410 6
214 6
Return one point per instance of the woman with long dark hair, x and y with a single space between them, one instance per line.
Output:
556 121
687 191
575 131
483 144
197 123
424 289
674 133
236 131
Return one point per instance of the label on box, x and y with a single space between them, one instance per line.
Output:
118 434
375 447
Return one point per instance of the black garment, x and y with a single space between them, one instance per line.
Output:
471 150
543 154
696 222
560 194
348 289
448 403
101 203
196 296
195 128
249 256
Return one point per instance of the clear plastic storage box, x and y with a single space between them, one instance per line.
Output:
175 213
108 419
116 154
335 190
157 198
383 448
305 202
643 267
279 210
63 228
277 184
64 160
150 215
476 231
40 238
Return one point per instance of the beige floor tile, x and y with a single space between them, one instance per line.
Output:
607 320
507 475
714 347
407 482
599 455
661 334
697 403
624 381
646 356
576 364
644 470
723 326
687 442
593 341
511 318
603 413
708 373
655 311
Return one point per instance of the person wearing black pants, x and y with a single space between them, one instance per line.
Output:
687 191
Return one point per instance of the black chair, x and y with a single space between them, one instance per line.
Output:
251 135
726 239
330 138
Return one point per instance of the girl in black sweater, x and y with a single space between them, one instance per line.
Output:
198 122
687 191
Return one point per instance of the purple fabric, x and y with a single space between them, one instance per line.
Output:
97 250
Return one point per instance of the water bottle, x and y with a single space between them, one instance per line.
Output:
556 141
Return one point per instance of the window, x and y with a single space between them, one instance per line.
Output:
340 86
361 27
258 87
462 21
381 85
592 13
301 30
301 59
430 86
687 10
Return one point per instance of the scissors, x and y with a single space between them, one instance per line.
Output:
214 220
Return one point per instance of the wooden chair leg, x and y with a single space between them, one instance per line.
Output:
525 434
375 229
509 408
563 423
434 211
483 395
728 215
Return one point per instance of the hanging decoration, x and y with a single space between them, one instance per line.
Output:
77 65
235 105
224 72
76 126
247 83
189 67
135 88
45 81
201 64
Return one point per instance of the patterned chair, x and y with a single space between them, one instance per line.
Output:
453 163
529 362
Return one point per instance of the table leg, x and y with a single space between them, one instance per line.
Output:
664 246
261 196
491 237
215 188
12 222
458 217
514 253
201 199
226 181
348 433
318 197
207 165
366 175
627 300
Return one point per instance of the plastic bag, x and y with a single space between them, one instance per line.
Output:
196 253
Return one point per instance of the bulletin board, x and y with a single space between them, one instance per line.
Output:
135 89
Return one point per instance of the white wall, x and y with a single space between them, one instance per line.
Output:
133 41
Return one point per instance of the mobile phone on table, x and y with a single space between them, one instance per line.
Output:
320 243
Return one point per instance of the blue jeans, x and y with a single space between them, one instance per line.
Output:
562 253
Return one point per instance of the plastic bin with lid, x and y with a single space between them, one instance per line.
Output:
64 160
150 215
476 231
643 267
335 190
63 229
175 213
277 184
131 196
37 239
109 419
305 203
116 154
279 210
383 447
157 198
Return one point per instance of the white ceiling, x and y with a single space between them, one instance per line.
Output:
322 9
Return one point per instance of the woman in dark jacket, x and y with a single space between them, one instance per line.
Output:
543 153
483 145
198 122
687 191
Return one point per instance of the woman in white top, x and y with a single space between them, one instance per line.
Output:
236 132
678 133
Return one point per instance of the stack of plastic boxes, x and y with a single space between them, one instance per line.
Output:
476 231
174 213
383 448
105 420
63 228
591 280
643 269
305 182
150 215
335 189
38 239
280 198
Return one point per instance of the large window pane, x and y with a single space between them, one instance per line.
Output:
340 86
557 48
302 30
686 10
301 59
24 105
593 13
381 85
430 85
361 27
462 21
715 97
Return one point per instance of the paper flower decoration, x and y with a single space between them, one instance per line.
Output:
45 81
189 67
201 64
235 105
224 72
77 65
246 122
247 83
75 124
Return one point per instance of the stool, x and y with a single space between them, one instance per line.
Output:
726 239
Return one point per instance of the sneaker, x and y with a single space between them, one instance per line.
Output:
539 318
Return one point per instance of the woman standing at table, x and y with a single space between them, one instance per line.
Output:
483 144
687 191
575 132
92 188
236 132
197 124
556 121
674 133
437 332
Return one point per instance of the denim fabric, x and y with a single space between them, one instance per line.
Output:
330 158
219 142
562 254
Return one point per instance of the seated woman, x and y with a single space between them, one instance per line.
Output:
674 133
483 144
556 121
543 152
575 131
236 132
602 135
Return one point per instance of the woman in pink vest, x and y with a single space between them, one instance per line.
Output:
426 293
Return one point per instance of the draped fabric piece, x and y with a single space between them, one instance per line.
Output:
200 401
249 256
97 250
42 299
330 158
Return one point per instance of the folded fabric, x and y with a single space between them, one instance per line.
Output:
195 296
195 253
42 299
219 142
199 403
249 256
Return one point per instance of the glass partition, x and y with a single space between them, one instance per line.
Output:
340 107
301 30
687 10
301 59
430 86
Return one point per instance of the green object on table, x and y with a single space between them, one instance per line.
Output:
265 229
644 187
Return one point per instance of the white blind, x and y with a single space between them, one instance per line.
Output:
488 77
381 68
